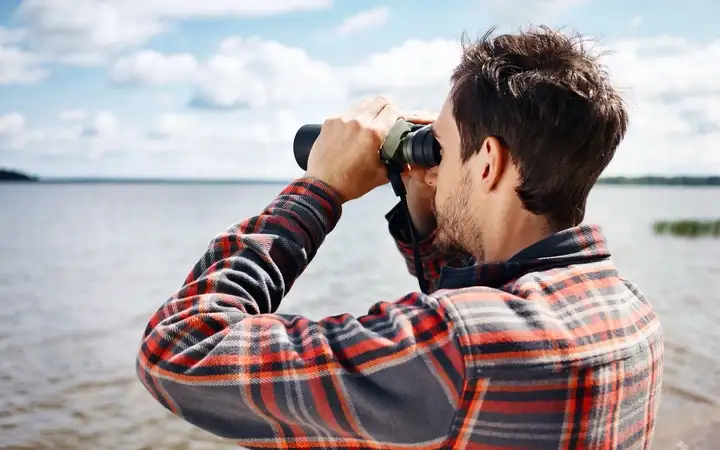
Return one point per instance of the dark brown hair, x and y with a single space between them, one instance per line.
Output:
548 100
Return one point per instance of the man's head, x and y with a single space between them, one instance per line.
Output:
529 124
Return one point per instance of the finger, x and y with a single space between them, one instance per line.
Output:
373 108
420 120
419 117
387 117
357 109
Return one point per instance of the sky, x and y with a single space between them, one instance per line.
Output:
218 88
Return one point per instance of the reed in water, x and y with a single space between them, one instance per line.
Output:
688 227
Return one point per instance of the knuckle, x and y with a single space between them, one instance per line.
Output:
380 131
377 136
330 121
354 123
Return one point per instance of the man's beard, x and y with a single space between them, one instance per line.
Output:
456 231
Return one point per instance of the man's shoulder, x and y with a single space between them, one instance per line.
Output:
555 287
582 315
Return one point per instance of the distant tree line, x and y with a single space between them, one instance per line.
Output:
663 181
14 175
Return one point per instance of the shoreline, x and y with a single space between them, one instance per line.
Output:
17 176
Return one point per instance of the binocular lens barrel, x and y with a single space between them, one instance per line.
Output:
303 142
418 147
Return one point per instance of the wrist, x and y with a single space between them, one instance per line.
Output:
328 184
317 195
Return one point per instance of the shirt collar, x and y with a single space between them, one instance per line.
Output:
581 244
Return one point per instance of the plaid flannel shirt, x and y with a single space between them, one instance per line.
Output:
551 349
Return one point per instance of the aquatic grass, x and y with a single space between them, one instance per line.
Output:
688 228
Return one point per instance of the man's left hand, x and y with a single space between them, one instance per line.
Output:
346 153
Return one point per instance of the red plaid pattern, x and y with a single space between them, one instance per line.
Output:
552 349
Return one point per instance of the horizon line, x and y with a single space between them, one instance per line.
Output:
75 179
285 180
95 179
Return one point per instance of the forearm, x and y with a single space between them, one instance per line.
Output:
258 260
433 259
245 272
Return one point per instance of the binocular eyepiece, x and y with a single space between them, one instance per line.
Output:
406 142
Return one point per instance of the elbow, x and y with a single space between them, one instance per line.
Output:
160 377
155 365
150 378
213 407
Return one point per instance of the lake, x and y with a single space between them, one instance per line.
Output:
83 266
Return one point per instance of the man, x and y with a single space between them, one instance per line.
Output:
529 337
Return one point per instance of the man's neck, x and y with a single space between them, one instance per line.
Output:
514 233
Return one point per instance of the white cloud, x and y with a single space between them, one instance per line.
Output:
671 85
517 12
89 31
637 21
246 144
252 72
270 128
11 35
86 31
90 137
11 125
73 115
150 67
415 74
673 90
665 66
364 20
19 67
173 125
103 124
244 72
182 9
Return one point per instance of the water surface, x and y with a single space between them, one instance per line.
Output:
83 266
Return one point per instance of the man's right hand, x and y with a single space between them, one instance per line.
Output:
420 194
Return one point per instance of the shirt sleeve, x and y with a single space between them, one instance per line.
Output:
217 354
432 258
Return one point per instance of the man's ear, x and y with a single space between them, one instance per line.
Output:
492 162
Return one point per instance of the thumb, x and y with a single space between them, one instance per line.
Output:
419 117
